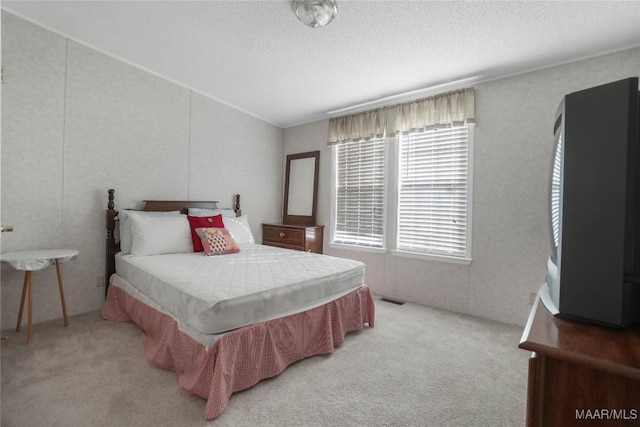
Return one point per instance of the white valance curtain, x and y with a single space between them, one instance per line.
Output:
449 109
356 127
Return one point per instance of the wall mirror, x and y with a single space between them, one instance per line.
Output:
301 188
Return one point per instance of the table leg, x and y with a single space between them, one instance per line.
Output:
64 306
24 293
30 311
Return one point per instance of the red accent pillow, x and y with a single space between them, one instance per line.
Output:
202 222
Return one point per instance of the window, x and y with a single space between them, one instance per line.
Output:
434 193
417 200
431 208
359 193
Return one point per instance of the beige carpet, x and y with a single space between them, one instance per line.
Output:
418 367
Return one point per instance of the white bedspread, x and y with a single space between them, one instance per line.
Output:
219 293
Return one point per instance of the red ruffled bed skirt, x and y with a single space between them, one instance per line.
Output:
241 358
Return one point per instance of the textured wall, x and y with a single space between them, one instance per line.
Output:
512 151
76 122
32 158
234 152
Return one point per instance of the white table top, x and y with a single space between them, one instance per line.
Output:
37 259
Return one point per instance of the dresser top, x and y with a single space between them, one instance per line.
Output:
598 347
301 227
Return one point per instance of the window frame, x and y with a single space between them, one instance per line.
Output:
391 205
334 195
466 258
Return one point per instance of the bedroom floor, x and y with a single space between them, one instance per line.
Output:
417 367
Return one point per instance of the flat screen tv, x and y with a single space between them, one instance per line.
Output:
593 273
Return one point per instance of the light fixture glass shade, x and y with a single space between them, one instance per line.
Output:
315 13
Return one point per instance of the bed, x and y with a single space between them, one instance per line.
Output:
233 314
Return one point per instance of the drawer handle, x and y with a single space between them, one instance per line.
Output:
281 234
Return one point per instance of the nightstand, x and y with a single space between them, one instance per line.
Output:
306 238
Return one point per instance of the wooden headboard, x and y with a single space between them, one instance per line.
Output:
183 206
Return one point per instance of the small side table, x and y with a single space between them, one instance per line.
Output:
30 261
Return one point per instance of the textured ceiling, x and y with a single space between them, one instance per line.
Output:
257 57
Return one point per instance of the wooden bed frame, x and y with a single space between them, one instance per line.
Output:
183 206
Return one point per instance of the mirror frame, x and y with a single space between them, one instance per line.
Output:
301 219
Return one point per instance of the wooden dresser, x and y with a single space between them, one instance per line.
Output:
306 238
580 374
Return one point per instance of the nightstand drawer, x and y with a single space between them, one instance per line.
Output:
306 238
283 236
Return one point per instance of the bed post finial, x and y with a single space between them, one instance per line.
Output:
110 205
237 207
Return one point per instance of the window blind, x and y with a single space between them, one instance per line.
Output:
432 191
359 212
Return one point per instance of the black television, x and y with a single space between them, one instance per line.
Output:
593 273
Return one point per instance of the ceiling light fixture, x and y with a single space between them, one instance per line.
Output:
315 13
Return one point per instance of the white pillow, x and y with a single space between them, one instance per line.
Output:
229 213
124 226
239 229
154 235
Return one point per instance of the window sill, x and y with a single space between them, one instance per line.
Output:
404 254
432 257
357 248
